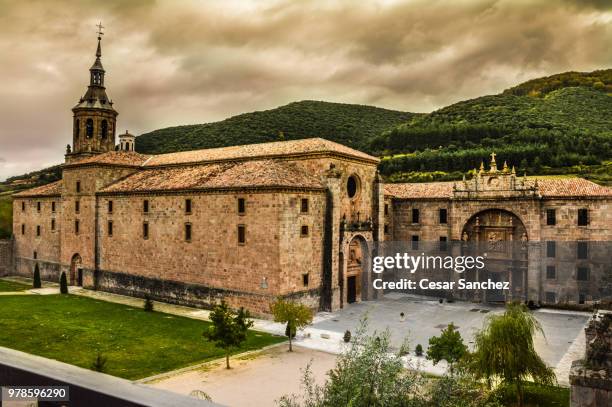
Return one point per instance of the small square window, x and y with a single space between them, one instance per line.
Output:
304 231
415 242
582 274
415 215
37 230
304 206
187 205
241 234
145 206
110 228
551 249
551 272
145 230
53 206
188 232
110 206
52 224
583 217
77 206
241 206
78 186
76 226
305 279
38 206
582 250
443 215
551 217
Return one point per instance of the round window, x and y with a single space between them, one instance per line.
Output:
352 186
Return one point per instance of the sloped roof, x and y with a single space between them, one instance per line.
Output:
548 187
52 189
228 175
124 158
261 150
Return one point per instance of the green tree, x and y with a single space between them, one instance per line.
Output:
229 329
63 284
37 283
294 314
504 350
448 346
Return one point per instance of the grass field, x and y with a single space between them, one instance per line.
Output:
136 343
6 214
7 286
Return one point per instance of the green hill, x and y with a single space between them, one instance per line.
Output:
352 125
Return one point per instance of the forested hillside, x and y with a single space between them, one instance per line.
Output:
352 125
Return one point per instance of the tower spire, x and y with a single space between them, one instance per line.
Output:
100 34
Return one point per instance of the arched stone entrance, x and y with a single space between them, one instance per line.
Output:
353 276
501 237
76 270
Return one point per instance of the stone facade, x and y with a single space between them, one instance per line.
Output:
6 257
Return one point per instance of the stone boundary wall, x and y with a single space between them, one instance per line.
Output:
85 387
6 257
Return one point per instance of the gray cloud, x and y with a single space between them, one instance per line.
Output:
171 63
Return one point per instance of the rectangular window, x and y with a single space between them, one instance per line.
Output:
551 272
415 242
38 206
551 297
443 216
187 205
551 249
241 206
551 217
582 250
386 229
145 206
581 298
53 206
110 228
304 208
76 226
22 206
304 231
582 274
305 279
583 217
78 186
77 206
241 234
145 230
386 209
415 215
37 230
110 206
52 224
35 255
23 229
188 232
443 243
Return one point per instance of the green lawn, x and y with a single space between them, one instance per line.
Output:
6 286
536 396
136 343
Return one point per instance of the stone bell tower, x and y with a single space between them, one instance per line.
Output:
94 119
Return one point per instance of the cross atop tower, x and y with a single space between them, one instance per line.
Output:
100 29
493 155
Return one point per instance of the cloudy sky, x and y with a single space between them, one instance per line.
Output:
177 62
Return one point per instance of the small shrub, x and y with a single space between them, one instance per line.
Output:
99 363
63 284
404 349
37 283
148 304
418 350
347 336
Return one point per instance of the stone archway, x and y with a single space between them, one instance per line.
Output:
76 270
354 275
501 237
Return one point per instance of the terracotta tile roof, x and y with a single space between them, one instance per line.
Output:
549 188
245 174
130 158
572 187
52 189
420 190
262 150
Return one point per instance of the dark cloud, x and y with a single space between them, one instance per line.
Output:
171 63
